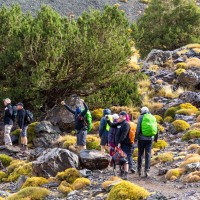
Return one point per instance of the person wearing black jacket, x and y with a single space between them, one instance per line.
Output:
122 139
23 125
8 121
80 125
144 144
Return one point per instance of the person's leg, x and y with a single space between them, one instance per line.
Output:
7 139
24 140
140 155
148 147
104 142
82 139
125 176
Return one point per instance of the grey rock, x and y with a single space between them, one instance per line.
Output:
4 193
85 172
35 153
191 97
51 185
93 159
21 180
47 127
157 196
169 77
193 167
162 171
188 119
53 161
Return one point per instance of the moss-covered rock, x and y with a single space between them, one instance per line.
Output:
31 131
16 132
191 134
180 125
168 119
5 159
69 140
30 193
159 119
97 114
80 183
173 174
160 144
93 142
171 112
65 188
2 176
69 175
127 190
35 182
14 164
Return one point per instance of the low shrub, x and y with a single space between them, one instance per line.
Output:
30 193
160 144
35 182
3 175
80 183
165 157
195 126
188 106
193 177
190 160
180 125
193 146
171 112
186 112
193 62
127 190
198 151
70 140
173 174
161 128
69 175
65 187
93 142
179 71
31 134
97 114
95 126
191 134
159 119
5 159
181 65
111 180
168 119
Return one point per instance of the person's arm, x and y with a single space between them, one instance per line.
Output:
10 110
83 113
69 109
138 129
156 137
102 126
123 136
113 125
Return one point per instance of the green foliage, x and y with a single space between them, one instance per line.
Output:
35 182
171 112
159 119
31 131
168 119
186 112
47 56
160 144
97 113
180 125
121 91
93 142
191 134
31 193
65 187
5 159
167 25
179 71
2 175
80 183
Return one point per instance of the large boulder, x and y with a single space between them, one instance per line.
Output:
35 153
53 161
191 97
61 117
46 134
188 78
94 160
188 119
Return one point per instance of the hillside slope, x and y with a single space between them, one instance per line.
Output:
133 8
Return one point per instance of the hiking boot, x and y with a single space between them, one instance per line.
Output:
147 174
139 172
121 173
125 176
132 170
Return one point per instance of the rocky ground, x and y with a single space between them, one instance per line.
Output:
133 8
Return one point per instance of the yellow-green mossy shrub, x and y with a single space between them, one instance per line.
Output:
3 175
5 159
160 144
195 126
186 112
198 151
191 134
198 118
173 174
35 182
93 142
165 157
181 65
97 114
69 175
193 147
31 134
159 119
179 71
80 183
189 160
65 187
161 128
95 125
192 177
127 190
21 169
70 140
30 193
2 198
168 119
16 132
135 153
180 125
111 180
171 112
188 106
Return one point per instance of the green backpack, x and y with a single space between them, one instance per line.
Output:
149 125
88 120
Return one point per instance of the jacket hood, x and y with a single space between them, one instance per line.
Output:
106 112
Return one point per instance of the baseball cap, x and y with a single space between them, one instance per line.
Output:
20 104
115 116
123 113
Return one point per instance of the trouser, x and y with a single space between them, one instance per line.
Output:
144 146
7 130
128 150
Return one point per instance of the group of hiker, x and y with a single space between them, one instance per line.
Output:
119 135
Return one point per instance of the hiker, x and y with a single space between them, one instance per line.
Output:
112 132
8 121
123 141
23 125
146 132
80 124
104 129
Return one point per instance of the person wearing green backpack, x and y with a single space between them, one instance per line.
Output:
146 133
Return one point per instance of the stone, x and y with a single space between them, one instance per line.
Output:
191 97
85 172
21 180
47 127
35 153
193 167
188 119
188 79
51 185
94 160
162 171
61 117
157 196
4 193
53 161
169 78
10 150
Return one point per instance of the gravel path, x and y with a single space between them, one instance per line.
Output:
133 8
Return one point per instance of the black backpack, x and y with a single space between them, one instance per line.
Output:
29 117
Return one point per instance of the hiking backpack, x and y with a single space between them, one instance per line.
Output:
14 113
29 117
88 120
149 125
132 131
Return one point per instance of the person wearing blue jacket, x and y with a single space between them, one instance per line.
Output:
104 130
